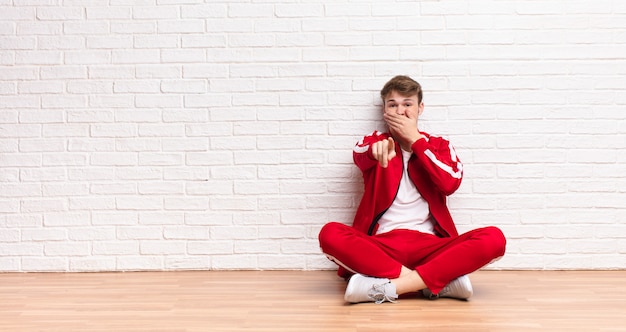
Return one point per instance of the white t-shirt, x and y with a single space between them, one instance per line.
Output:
409 209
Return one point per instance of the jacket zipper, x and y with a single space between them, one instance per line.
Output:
380 215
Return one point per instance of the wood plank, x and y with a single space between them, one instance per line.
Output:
304 301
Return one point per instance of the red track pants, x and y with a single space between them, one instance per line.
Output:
437 260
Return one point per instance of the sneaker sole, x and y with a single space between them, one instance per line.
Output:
467 290
350 288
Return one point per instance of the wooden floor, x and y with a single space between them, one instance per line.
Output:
304 301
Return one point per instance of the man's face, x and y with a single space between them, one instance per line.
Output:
403 105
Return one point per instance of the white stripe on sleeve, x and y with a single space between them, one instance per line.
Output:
457 175
361 149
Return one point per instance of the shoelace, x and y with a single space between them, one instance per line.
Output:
378 294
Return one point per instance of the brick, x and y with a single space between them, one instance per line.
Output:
347 10
281 172
232 261
113 159
186 173
16 43
66 219
139 263
162 248
233 203
123 27
187 263
136 56
23 220
7 28
116 42
180 26
186 203
37 175
182 56
20 160
84 28
205 71
184 86
208 219
40 87
210 188
315 262
115 248
210 248
280 262
204 11
44 264
158 101
139 116
325 25
256 247
60 43
156 158
112 188
91 203
300 247
10 235
65 130
282 232
300 218
202 41
66 249
138 203
161 130
19 102
163 12
139 233
250 10
49 101
105 71
138 173
300 10
275 25
8 88
275 54
64 189
233 233
161 218
80 264
110 13
83 57
59 13
164 188
256 187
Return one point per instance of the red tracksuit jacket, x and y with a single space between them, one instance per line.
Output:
434 168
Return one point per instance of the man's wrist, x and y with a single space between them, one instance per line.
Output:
413 141
416 138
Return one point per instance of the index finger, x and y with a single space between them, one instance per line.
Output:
383 157
391 146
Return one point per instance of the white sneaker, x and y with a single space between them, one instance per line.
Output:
459 288
367 289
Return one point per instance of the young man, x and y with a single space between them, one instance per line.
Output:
403 238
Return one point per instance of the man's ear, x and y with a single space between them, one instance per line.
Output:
420 109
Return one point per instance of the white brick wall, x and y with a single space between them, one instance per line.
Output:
162 135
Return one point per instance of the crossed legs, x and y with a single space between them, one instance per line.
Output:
411 260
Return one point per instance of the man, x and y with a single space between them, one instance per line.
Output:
403 238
